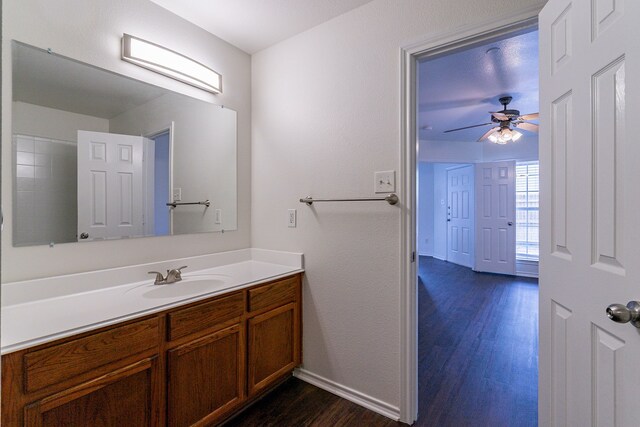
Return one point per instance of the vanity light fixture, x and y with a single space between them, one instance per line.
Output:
169 63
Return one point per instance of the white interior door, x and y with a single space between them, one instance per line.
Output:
460 215
110 181
495 217
590 253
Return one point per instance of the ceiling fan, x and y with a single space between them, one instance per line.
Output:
505 122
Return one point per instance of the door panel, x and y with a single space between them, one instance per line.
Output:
589 257
460 215
110 181
206 377
273 346
495 184
122 397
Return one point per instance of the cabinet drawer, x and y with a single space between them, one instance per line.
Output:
55 364
204 316
273 294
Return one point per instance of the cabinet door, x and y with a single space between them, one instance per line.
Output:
206 377
124 397
274 346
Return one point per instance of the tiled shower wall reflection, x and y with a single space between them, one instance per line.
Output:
45 203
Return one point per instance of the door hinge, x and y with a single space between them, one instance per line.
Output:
413 256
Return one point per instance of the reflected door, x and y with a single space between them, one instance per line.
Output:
495 217
589 245
110 182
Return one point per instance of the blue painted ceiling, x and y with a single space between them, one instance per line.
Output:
459 89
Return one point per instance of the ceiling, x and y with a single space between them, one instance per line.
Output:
57 82
253 25
460 89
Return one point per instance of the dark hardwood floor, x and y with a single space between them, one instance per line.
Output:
478 360
296 403
478 347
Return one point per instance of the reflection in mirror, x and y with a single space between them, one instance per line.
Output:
98 156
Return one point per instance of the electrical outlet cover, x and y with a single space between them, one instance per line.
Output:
292 218
385 182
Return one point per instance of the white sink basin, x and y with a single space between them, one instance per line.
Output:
187 286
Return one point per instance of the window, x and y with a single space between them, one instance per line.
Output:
527 210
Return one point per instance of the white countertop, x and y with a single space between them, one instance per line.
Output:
27 322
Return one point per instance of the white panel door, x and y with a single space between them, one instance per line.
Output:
110 180
495 250
590 239
460 216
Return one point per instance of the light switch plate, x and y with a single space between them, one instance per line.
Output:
385 181
218 216
292 218
177 194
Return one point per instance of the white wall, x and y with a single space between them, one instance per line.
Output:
35 120
524 150
90 31
204 156
326 116
472 152
426 208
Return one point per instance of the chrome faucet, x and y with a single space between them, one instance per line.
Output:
174 275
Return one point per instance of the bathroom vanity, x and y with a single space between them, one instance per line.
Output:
193 359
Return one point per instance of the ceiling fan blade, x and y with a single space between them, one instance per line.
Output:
467 127
499 116
489 132
532 116
531 127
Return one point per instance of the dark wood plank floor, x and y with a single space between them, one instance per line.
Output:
478 358
478 347
296 403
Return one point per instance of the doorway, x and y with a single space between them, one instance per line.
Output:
458 362
162 183
159 181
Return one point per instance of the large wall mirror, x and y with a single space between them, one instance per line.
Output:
99 156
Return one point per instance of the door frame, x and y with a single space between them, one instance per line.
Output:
151 134
409 54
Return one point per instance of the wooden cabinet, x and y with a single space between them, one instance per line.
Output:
274 333
206 377
109 374
119 398
192 365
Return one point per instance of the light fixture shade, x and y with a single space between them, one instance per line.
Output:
515 135
169 63
504 135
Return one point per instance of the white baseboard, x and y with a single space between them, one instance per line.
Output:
350 394
526 268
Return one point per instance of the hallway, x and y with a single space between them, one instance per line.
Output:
478 347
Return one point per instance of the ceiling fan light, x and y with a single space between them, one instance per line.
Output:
493 138
506 135
515 135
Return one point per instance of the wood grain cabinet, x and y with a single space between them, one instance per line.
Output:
274 333
191 365
120 398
